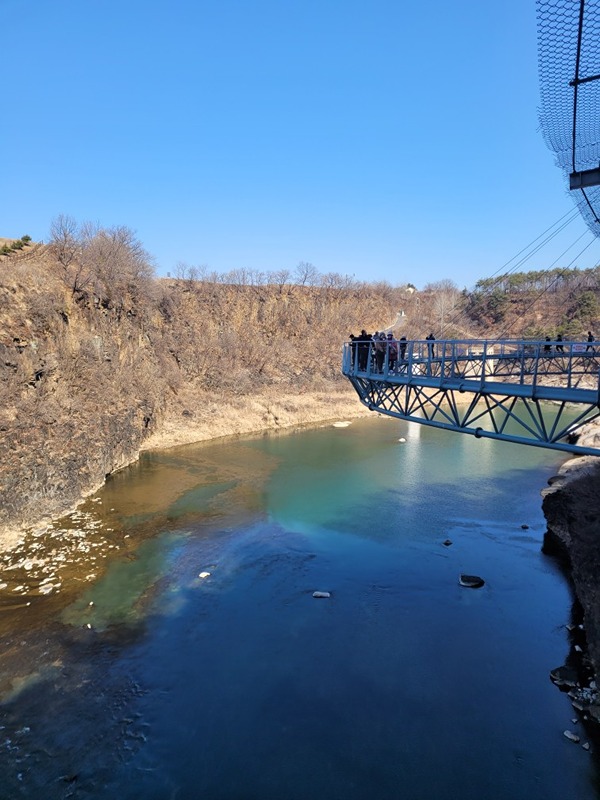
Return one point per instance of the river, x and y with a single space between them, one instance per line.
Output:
164 642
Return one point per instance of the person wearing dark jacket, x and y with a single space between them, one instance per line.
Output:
431 346
364 344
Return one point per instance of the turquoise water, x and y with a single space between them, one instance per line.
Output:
149 681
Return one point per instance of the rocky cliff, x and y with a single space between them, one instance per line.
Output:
89 375
572 509
571 505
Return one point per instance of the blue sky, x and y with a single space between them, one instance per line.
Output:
383 139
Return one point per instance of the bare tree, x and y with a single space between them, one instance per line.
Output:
187 274
336 285
67 242
306 274
121 266
446 295
64 239
281 277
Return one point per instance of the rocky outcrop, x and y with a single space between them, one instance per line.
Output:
571 505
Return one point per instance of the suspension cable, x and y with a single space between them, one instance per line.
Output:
560 275
571 214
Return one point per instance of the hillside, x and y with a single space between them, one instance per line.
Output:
100 359
88 378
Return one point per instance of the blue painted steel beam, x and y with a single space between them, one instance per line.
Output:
518 382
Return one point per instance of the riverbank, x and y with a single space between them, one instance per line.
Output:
195 417
198 418
571 505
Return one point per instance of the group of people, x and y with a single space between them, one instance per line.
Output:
560 348
373 349
377 346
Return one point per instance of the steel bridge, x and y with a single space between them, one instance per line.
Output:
530 392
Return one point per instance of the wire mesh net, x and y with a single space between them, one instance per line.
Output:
569 69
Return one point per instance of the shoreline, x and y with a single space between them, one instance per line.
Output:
252 416
571 506
194 417
195 421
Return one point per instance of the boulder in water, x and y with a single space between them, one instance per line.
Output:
471 581
564 676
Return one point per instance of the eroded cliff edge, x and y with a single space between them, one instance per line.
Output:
571 505
90 376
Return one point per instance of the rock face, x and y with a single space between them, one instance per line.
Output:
572 509
90 376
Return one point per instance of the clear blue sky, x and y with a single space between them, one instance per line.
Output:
381 139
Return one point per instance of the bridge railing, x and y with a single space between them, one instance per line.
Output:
476 360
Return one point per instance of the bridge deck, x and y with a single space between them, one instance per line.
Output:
508 379
531 390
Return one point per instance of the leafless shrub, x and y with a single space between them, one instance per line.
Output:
66 244
64 239
43 310
120 265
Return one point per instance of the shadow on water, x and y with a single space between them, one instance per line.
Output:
147 680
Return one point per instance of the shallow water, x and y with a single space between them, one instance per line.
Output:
133 677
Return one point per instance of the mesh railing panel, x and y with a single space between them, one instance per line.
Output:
569 46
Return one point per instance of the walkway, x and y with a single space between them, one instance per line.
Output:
529 392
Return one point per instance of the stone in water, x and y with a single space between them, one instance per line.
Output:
471 581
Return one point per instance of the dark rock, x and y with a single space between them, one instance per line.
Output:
564 676
471 581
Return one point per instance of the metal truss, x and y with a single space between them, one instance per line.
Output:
520 392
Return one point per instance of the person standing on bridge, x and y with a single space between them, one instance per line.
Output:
402 348
364 343
353 350
559 347
380 348
392 345
590 339
431 346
